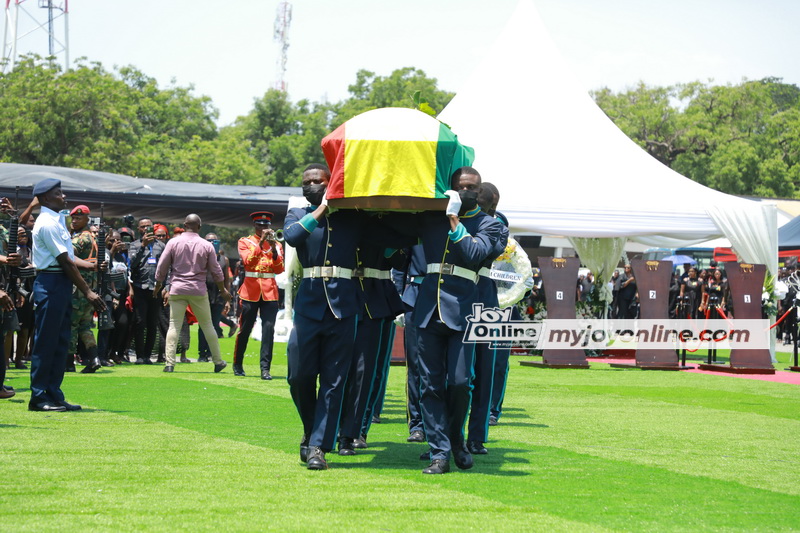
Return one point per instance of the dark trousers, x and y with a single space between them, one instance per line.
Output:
52 295
413 412
320 349
445 368
500 379
478 424
216 316
361 377
146 311
378 389
268 311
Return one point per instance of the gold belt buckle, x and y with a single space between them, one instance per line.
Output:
358 272
326 272
448 269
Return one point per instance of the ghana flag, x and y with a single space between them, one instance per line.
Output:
392 158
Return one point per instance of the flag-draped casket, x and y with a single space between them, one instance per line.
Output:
392 158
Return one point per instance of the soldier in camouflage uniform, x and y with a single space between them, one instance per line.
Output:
85 246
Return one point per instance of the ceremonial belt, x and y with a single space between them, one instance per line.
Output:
372 273
267 275
417 280
452 270
51 270
328 272
485 271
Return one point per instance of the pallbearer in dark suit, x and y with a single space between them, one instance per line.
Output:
411 262
381 304
482 384
455 247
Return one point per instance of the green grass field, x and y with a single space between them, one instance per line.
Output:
576 450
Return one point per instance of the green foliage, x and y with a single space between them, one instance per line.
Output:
740 139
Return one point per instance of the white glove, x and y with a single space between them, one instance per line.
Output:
454 205
400 320
331 210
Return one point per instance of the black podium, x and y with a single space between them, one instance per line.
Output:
559 279
746 283
652 282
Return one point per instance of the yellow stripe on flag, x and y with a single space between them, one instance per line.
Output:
389 168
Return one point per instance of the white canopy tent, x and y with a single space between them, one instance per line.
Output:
563 167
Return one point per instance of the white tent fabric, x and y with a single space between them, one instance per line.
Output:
563 167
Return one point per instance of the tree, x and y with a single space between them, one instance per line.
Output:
740 139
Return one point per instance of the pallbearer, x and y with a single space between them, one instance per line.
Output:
262 258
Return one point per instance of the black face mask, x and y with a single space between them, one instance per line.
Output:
469 200
314 193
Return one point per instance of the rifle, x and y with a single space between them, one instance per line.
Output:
13 288
105 320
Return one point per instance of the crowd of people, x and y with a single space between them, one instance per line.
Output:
139 295
145 285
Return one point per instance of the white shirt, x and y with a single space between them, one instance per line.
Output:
50 239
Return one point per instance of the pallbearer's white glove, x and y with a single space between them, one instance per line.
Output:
454 205
331 210
400 320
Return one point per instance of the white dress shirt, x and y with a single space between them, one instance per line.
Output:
50 239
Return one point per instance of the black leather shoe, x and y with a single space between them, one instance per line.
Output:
476 448
416 436
360 443
219 367
20 366
92 367
106 362
346 446
316 459
376 419
304 449
4 394
265 375
238 370
492 420
425 456
169 368
438 466
147 361
69 406
461 457
46 406
203 359
184 359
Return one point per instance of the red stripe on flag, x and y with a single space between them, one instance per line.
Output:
333 148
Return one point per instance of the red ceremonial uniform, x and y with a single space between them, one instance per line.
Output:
260 267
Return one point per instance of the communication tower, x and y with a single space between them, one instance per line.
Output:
283 18
21 22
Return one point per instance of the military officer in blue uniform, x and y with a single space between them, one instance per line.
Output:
482 384
52 294
326 308
381 304
455 248
411 263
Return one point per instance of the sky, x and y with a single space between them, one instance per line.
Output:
225 48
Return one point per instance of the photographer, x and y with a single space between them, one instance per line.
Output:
111 343
143 255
